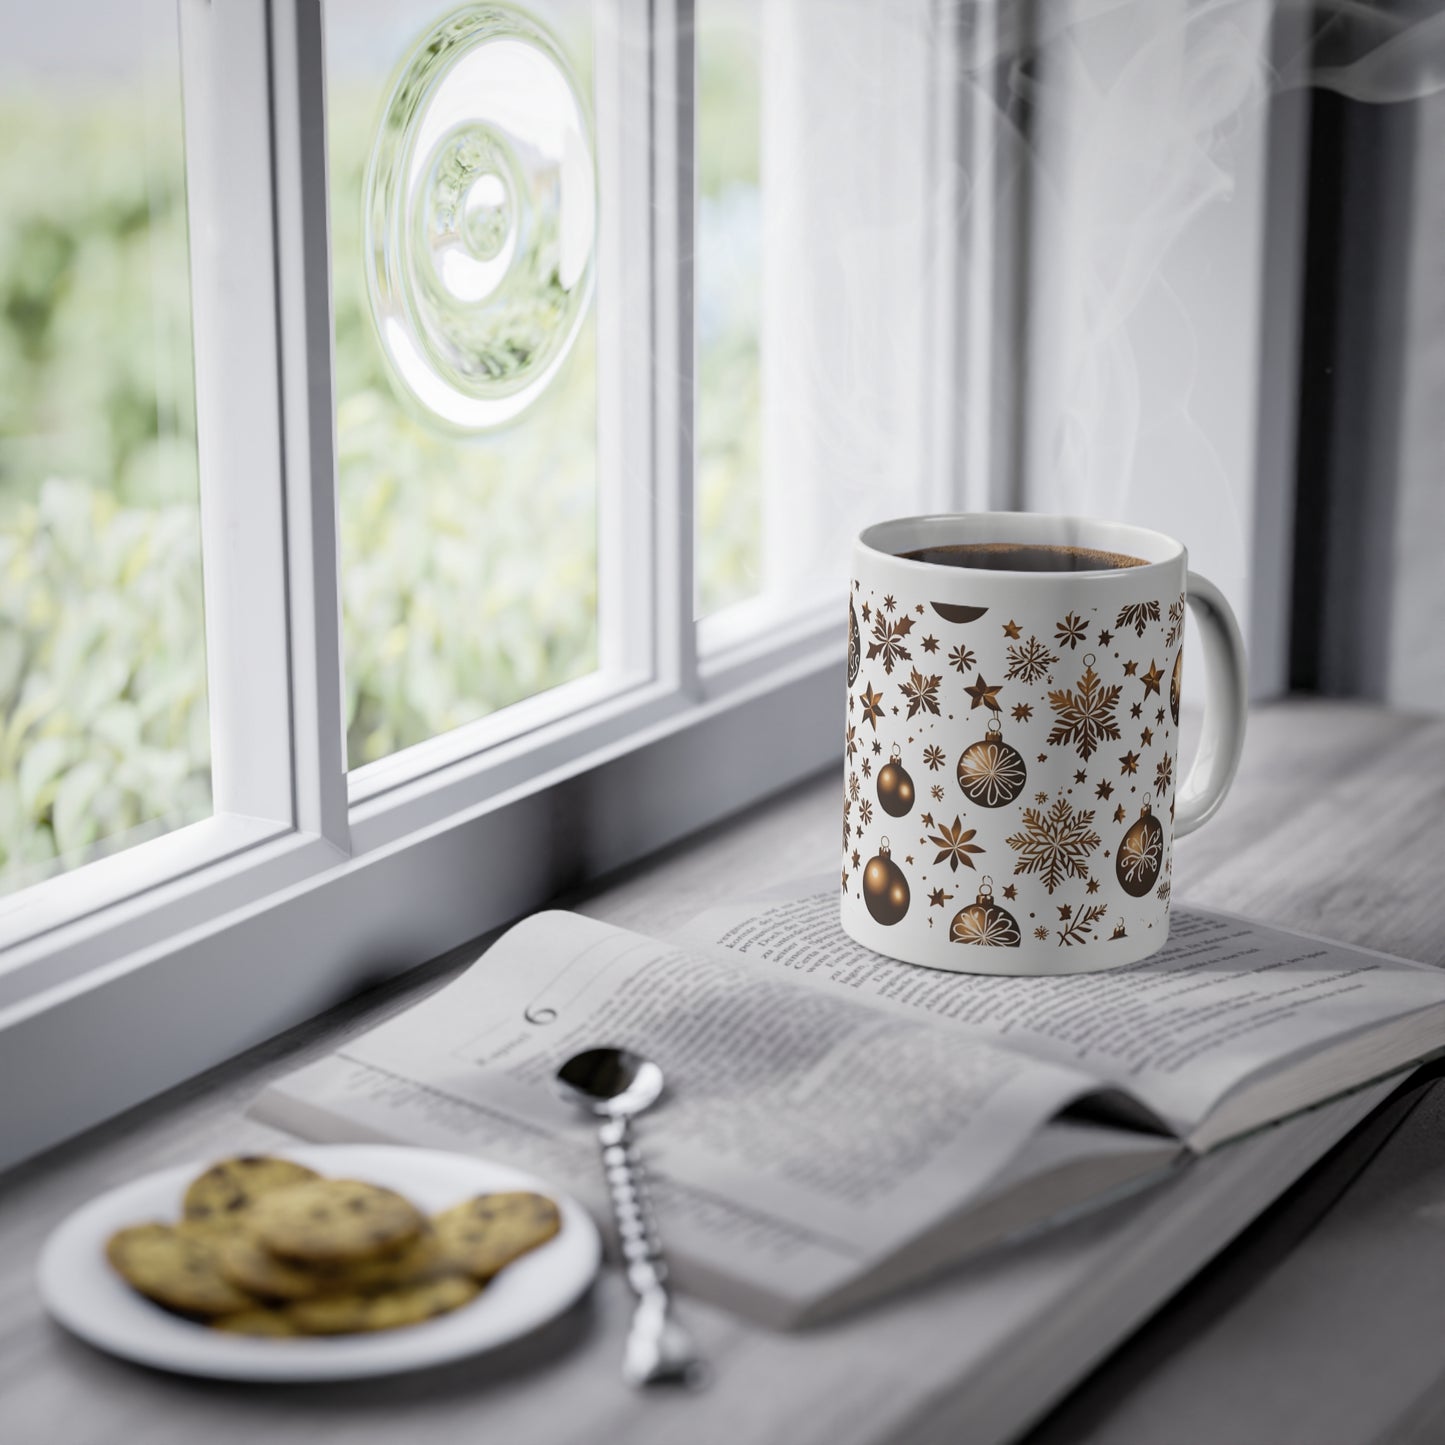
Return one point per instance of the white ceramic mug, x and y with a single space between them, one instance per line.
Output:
1010 787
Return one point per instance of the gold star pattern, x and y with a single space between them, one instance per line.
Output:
1010 892
983 695
1146 737
1011 628
1105 638
1041 933
1105 789
1043 758
888 603
1129 763
1119 814
1070 631
1136 710
1093 886
1159 716
1130 668
1081 776
1151 679
955 843
1066 912
930 644
856 858
927 820
938 898
867 616
872 705
877 748
845 880
1022 712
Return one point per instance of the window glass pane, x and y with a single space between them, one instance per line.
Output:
729 281
102 651
817 314
463 218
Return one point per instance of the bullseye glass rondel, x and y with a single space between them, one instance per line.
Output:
481 217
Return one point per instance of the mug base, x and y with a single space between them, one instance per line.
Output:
1028 960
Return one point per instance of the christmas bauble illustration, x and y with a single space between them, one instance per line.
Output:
1140 854
855 646
885 889
1174 686
984 924
895 787
990 771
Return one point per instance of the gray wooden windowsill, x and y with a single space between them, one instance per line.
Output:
1336 825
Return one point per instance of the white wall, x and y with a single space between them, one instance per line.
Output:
1415 677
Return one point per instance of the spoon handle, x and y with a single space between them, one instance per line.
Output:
659 1350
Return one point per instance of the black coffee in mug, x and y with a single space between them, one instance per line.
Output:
1022 557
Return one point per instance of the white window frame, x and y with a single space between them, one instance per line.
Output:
133 973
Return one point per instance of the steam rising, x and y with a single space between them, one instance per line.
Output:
1138 130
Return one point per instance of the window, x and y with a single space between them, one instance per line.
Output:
503 467
426 446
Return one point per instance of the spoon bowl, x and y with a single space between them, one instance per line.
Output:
610 1083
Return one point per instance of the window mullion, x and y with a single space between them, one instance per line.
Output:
989 128
673 90
628 586
308 455
225 83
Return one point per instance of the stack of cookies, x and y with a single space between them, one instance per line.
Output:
266 1246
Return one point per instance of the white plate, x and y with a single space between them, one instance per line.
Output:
84 1294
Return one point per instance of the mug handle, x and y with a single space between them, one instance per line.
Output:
1203 790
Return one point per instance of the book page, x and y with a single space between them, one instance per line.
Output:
1222 1002
801 1134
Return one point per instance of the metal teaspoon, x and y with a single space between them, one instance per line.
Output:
613 1085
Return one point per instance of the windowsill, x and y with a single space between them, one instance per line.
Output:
1312 772
476 846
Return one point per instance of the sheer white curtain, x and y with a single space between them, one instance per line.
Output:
853 336
1147 301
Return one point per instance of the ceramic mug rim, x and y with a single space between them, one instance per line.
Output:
889 538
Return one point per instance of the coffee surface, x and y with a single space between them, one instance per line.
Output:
1022 557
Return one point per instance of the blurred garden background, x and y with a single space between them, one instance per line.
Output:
469 566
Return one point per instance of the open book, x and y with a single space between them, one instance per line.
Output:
837 1124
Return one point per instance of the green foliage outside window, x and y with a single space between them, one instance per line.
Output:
451 609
